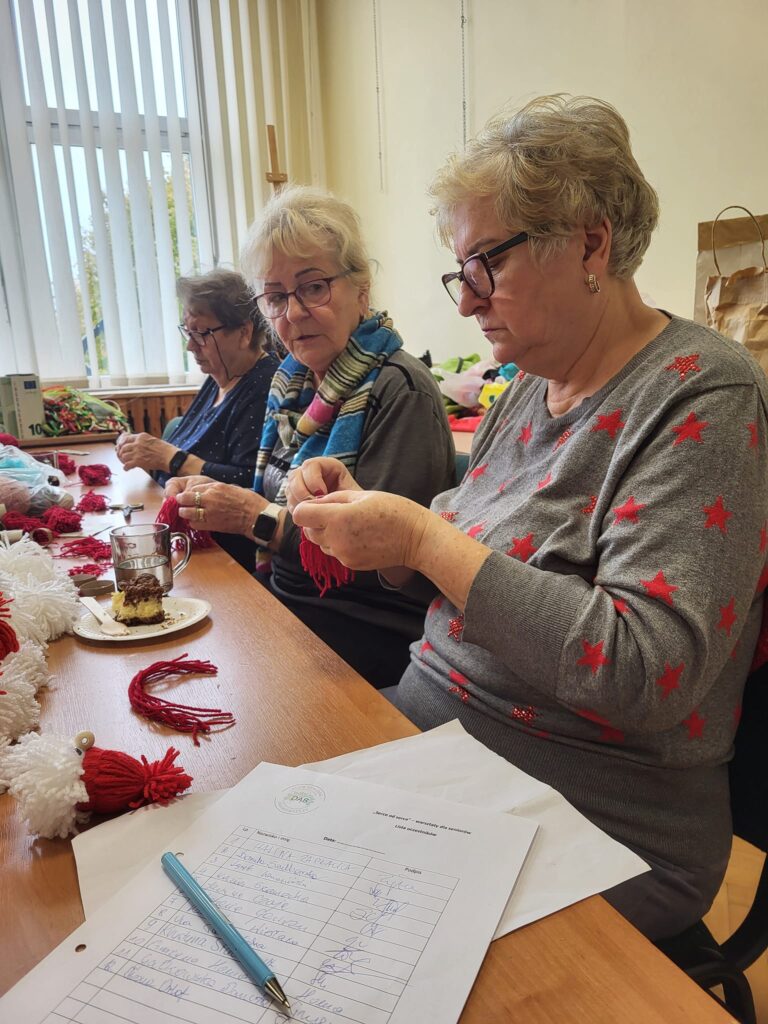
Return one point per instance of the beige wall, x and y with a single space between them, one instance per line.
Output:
688 75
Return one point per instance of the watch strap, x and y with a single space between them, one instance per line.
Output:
176 461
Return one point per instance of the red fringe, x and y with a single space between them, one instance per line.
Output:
92 502
116 781
62 520
89 569
9 642
86 547
325 570
169 514
179 716
66 464
95 474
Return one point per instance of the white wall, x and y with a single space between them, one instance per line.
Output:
688 76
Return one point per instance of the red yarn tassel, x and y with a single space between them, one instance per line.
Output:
116 781
9 642
95 475
86 547
89 569
325 570
178 716
169 514
92 502
62 520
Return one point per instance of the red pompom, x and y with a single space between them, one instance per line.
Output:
9 439
29 524
325 570
66 464
117 781
95 474
92 502
62 520
169 515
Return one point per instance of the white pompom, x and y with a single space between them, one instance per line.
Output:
41 609
44 774
28 663
26 558
22 674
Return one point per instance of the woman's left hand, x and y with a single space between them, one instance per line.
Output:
225 508
364 529
143 451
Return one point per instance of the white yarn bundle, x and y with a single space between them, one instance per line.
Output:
42 609
44 774
26 558
22 675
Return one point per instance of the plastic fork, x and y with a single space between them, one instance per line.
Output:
106 623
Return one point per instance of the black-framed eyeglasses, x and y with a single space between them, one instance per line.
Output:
200 337
309 294
476 271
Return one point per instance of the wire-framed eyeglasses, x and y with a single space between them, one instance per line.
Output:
309 295
476 270
200 338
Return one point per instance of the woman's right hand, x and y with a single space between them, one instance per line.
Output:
317 477
179 484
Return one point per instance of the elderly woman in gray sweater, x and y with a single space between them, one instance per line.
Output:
601 565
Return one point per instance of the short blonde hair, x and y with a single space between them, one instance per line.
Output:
559 163
298 221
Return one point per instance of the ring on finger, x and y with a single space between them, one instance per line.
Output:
199 514
198 499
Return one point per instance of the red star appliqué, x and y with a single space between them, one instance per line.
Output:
460 685
695 724
478 471
728 616
591 505
526 433
476 530
690 430
621 606
456 628
543 483
658 587
520 375
607 731
764 536
436 605
717 515
448 516
522 547
611 423
562 439
523 713
593 655
505 484
685 364
627 511
426 647
752 428
671 678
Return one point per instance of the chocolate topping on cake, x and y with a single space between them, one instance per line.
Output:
143 588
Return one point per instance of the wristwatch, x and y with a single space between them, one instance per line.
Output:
176 461
264 528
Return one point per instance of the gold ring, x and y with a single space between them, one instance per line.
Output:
199 514
198 499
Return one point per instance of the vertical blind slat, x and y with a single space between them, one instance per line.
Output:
254 123
233 121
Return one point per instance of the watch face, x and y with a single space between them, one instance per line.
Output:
265 526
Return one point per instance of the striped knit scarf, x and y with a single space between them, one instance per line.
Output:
328 421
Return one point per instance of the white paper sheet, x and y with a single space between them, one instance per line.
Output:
570 860
358 896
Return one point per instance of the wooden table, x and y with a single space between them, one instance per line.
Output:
296 701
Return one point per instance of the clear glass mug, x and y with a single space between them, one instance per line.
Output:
147 548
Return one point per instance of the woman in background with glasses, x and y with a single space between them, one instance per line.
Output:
347 389
602 564
219 434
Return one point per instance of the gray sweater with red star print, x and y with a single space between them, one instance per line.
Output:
606 641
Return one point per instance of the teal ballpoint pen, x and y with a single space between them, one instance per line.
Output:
248 959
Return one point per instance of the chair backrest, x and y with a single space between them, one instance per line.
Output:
170 426
748 771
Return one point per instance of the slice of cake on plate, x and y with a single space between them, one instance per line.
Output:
141 603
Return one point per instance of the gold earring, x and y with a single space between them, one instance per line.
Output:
593 284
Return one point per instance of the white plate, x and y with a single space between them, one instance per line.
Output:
180 612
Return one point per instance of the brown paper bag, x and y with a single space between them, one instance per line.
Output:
736 299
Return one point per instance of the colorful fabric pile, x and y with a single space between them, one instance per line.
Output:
69 411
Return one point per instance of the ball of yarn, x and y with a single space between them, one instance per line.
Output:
41 610
14 494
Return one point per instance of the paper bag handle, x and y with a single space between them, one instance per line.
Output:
757 225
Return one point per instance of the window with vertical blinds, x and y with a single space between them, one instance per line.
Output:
131 150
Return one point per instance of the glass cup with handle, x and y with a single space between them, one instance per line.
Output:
147 548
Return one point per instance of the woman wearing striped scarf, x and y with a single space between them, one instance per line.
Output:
346 389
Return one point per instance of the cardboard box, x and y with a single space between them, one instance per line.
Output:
21 405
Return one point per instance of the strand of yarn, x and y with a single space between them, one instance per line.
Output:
169 515
89 569
62 520
66 464
92 502
325 570
179 716
9 642
95 474
86 547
